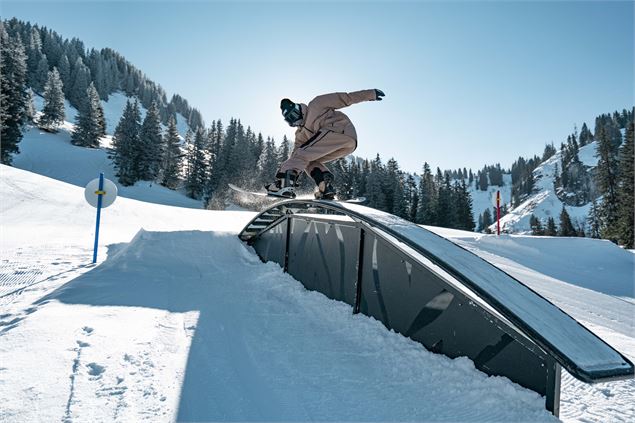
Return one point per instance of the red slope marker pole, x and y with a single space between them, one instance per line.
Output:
498 212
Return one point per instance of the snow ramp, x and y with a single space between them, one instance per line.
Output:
433 291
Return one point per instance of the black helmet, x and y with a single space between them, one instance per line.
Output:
292 112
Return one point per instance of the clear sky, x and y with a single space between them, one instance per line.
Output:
466 83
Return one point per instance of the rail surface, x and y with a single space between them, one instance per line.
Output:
582 353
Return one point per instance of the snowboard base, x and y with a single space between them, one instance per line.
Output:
357 200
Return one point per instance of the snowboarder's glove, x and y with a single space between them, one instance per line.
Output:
379 94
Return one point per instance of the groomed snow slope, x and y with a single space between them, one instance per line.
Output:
54 156
182 320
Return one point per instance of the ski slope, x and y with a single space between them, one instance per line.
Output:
54 156
182 321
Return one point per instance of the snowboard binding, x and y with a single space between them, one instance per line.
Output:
284 186
324 182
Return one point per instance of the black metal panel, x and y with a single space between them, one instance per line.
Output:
453 259
415 302
553 386
323 256
271 244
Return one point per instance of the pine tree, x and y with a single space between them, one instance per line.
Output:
150 145
89 121
65 74
426 213
126 144
13 94
566 227
585 135
463 207
594 220
285 150
268 162
33 47
482 180
53 111
606 178
486 221
536 226
411 196
625 188
195 182
551 229
393 189
80 79
374 186
549 151
446 213
171 166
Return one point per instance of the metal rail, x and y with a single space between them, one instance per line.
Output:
480 281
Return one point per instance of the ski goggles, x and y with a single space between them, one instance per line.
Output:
293 115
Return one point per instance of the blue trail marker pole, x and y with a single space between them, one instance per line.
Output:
100 193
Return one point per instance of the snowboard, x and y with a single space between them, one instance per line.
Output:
357 200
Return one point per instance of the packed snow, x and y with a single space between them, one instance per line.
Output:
180 320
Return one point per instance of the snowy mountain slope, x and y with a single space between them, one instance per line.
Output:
589 263
54 156
482 200
113 110
185 321
544 202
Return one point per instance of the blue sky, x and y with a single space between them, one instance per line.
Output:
466 83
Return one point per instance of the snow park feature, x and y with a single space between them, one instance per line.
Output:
429 289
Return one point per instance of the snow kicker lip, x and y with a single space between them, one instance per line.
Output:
522 313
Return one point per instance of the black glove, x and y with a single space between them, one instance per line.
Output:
379 94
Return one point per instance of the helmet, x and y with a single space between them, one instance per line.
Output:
291 112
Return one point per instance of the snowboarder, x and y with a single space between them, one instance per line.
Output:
324 134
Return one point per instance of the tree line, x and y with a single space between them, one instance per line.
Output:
38 59
31 52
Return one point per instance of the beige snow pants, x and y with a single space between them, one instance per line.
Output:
326 147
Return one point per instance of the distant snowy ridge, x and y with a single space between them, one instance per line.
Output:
543 202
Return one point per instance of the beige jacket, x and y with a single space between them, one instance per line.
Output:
321 115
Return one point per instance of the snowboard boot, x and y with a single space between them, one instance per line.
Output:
284 185
324 182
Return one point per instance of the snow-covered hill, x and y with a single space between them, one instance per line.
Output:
544 202
181 320
483 200
54 156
